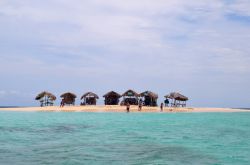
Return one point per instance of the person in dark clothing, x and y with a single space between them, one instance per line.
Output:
128 107
161 107
62 103
140 106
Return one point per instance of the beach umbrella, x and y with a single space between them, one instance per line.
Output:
43 94
176 96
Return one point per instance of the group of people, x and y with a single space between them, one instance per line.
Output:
139 106
140 103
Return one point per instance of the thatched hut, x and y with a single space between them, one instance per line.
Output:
112 98
46 98
89 98
177 99
149 98
68 98
130 97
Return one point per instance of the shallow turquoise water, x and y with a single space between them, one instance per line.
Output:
120 138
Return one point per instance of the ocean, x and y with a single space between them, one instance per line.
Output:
41 138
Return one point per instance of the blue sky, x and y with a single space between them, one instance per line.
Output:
198 48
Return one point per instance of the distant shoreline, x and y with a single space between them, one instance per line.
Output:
117 108
242 108
11 106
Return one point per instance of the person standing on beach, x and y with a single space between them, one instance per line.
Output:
128 107
161 107
62 103
139 105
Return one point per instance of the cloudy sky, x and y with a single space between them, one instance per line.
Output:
198 48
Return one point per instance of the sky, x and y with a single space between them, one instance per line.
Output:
198 48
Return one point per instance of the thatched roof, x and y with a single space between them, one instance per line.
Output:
130 93
112 93
177 96
68 94
44 94
150 94
90 94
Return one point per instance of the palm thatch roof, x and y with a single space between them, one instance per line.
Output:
112 93
130 93
177 96
44 94
68 94
90 94
150 94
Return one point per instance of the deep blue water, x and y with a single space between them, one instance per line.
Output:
120 138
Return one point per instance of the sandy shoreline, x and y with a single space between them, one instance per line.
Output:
119 109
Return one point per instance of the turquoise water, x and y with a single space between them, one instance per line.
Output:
120 138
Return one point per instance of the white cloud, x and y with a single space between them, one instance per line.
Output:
2 93
240 7
11 93
166 39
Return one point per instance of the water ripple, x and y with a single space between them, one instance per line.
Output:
89 138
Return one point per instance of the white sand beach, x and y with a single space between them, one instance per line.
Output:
117 108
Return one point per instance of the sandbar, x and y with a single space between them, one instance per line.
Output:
118 108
